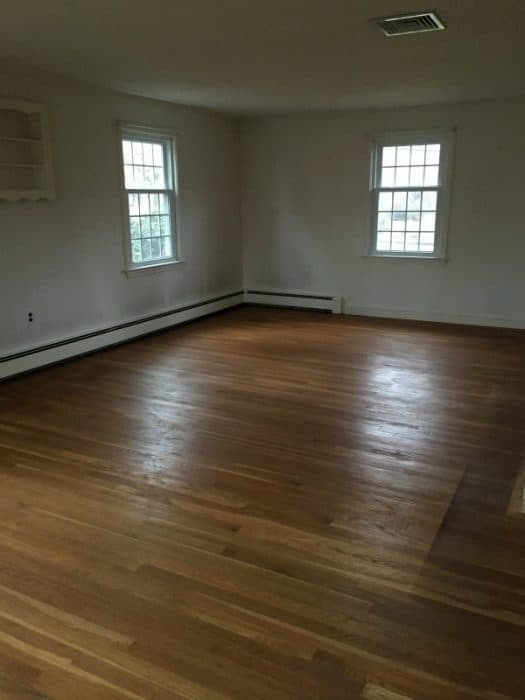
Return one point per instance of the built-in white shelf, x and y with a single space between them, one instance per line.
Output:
20 165
25 154
19 140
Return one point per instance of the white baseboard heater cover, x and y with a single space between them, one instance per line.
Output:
293 300
68 348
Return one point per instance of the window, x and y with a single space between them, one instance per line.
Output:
150 197
410 187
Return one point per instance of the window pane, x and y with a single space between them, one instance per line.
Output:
416 177
418 155
414 200
158 159
145 229
399 221
428 221
148 153
403 155
148 177
426 242
400 201
433 152
384 221
158 178
164 204
136 251
385 201
133 203
138 176
146 249
388 177
412 242
137 152
413 220
165 225
383 241
398 242
402 177
389 156
166 247
155 247
134 227
144 203
127 152
427 238
429 201
154 203
129 179
431 176
155 226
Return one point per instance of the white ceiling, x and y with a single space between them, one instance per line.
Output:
272 55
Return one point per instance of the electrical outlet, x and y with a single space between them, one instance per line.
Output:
30 317
307 274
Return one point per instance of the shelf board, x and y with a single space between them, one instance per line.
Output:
13 195
19 139
21 165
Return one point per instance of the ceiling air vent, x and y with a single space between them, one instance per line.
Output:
410 24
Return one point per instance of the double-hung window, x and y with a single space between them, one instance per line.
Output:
150 197
410 194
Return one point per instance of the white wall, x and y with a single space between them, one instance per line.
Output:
306 213
63 259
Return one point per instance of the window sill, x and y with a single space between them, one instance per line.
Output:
152 269
419 258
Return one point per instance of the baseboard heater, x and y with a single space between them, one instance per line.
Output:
68 348
294 301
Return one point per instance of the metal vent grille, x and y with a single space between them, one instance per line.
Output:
410 24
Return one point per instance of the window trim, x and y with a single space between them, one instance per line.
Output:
168 138
446 138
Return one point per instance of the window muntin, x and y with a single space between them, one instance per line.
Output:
409 197
148 177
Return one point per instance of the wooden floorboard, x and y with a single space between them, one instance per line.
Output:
267 505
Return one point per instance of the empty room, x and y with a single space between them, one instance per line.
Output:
262 350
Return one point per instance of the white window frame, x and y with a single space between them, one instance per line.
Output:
446 139
168 140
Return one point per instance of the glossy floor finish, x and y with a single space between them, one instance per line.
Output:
271 505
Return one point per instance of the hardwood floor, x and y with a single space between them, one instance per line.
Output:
267 504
